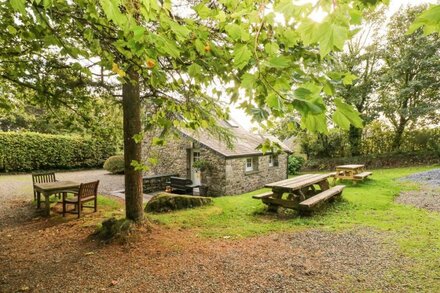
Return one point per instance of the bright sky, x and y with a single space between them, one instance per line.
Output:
394 6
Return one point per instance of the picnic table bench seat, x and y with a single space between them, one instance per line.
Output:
362 175
312 202
263 195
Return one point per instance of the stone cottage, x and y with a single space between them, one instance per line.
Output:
230 171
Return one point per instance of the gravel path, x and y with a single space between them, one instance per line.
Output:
20 186
428 197
431 177
169 260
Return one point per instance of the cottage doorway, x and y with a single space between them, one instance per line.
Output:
195 173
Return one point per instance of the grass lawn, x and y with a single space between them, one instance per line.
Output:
367 204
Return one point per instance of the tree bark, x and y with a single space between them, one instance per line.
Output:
131 105
354 138
398 134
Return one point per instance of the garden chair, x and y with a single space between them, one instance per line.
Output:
42 178
87 192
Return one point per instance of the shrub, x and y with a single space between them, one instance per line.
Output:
115 164
389 160
27 151
295 163
165 202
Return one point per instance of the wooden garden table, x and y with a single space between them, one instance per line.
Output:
351 172
298 189
50 188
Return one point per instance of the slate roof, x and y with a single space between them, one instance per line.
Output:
244 144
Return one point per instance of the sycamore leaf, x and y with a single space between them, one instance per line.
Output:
18 5
429 20
195 70
349 78
309 31
111 10
237 32
279 62
242 55
314 123
274 101
331 35
345 115
202 10
248 81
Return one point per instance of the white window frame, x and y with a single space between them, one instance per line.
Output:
272 160
249 167
196 156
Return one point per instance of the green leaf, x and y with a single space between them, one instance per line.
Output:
195 70
237 32
180 31
349 78
314 123
279 62
202 10
429 20
274 101
200 47
111 10
18 5
248 81
309 31
11 29
331 35
242 55
345 115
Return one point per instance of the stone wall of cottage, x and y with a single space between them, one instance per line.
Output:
239 181
226 176
172 158
215 175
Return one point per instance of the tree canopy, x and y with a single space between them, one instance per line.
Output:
179 62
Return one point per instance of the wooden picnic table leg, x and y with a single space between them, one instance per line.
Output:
47 207
273 207
38 199
324 185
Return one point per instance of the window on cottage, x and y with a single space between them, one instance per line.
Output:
251 164
273 161
196 156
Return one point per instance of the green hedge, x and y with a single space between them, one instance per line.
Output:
377 161
27 151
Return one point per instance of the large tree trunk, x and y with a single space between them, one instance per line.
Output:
397 141
354 138
131 105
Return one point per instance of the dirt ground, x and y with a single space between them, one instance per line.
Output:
60 255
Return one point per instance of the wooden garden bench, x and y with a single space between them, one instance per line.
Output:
314 201
156 182
182 185
362 175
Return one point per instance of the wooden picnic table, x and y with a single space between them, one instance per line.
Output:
353 172
50 188
303 192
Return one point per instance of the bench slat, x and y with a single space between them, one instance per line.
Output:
263 195
322 196
363 174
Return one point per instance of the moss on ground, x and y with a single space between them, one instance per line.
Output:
165 202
